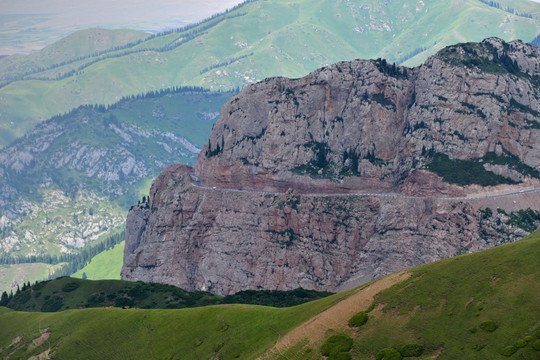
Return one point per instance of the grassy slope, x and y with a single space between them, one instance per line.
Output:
437 307
324 33
235 331
442 305
67 293
70 293
79 44
106 265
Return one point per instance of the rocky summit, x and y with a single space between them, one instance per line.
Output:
357 170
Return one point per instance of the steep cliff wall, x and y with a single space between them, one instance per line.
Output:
375 121
282 199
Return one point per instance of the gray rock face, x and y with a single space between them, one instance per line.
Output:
362 126
272 130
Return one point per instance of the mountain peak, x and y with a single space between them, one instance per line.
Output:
358 169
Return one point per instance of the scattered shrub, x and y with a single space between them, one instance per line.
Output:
336 344
358 320
489 326
412 349
139 292
218 347
529 338
388 354
22 298
520 343
536 345
122 301
70 286
473 329
276 298
95 300
478 347
223 327
39 285
340 356
509 350
52 304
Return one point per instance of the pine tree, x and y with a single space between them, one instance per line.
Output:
4 300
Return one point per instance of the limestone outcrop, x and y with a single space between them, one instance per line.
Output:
354 171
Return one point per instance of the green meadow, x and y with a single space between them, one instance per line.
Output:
475 306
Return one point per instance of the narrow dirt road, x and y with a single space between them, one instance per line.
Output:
513 192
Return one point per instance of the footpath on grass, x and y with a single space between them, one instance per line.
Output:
314 330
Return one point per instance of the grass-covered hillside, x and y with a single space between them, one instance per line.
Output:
71 293
245 45
105 265
477 306
233 331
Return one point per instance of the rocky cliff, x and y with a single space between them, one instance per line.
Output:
354 171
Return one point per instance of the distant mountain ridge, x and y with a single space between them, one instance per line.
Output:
248 44
71 179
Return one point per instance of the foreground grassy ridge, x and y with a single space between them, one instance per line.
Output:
445 304
252 43
232 331
475 306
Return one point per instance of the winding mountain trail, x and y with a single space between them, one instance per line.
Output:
335 317
478 196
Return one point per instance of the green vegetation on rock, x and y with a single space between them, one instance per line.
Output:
467 172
